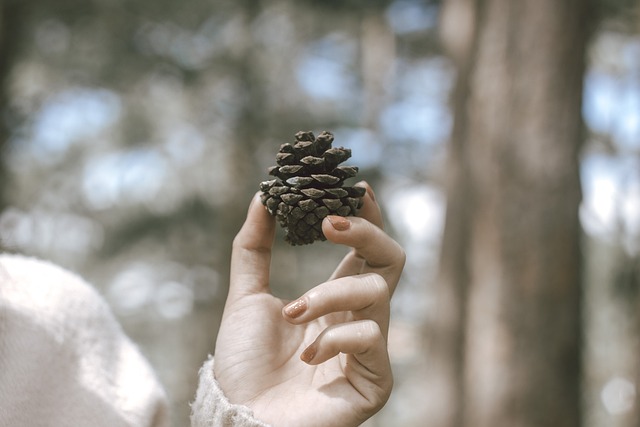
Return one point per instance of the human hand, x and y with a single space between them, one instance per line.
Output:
322 359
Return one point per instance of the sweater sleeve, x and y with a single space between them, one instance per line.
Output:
211 407
64 359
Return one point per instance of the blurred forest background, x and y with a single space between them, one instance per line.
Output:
502 138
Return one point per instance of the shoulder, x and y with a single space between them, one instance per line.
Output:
47 293
24 269
59 334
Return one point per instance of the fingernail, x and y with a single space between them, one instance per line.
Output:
296 308
308 354
339 223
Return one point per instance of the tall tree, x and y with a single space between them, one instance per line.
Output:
511 253
11 18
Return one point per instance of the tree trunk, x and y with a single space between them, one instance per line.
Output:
512 239
11 32
457 28
4 71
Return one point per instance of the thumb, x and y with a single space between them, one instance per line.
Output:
251 254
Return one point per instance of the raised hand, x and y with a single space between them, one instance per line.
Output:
320 360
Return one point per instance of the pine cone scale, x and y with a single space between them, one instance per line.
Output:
309 185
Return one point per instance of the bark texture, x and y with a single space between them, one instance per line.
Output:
512 240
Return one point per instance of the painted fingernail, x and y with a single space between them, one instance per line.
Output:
296 308
308 354
339 223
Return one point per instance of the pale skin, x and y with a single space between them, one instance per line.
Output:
320 360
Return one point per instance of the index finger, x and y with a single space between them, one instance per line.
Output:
251 254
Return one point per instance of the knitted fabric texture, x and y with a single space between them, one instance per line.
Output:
66 362
223 413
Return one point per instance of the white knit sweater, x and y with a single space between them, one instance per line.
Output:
65 361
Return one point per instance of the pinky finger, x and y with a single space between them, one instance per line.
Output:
359 337
368 367
362 339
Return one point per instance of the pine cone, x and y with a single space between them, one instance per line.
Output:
309 186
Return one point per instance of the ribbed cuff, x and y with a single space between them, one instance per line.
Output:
211 407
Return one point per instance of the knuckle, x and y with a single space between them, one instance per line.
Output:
242 246
402 257
371 235
237 241
378 286
369 331
397 258
240 242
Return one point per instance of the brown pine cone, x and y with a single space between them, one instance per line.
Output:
309 186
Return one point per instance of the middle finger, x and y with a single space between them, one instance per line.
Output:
365 296
374 251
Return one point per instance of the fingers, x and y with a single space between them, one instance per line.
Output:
362 336
373 250
370 209
365 296
251 254
359 337
368 368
